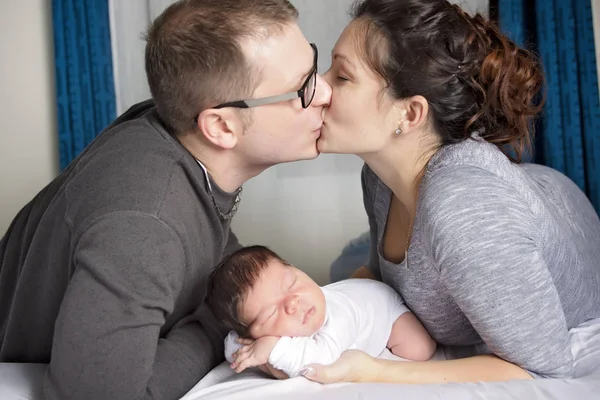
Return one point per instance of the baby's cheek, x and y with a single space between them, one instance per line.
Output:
286 326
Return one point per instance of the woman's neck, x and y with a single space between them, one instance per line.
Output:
401 167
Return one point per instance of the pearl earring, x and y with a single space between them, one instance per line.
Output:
399 130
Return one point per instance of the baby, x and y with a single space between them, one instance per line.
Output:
279 315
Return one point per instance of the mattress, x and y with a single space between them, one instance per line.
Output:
24 382
223 383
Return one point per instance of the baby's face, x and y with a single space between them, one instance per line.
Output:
283 302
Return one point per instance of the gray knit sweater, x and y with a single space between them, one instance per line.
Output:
502 255
104 272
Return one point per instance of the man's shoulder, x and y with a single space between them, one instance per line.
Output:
134 166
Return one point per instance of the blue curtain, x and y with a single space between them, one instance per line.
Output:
84 75
568 134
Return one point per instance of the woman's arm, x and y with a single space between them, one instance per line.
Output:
485 240
487 243
484 368
356 366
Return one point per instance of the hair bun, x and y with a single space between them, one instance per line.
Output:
507 79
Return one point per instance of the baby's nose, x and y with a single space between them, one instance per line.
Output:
291 304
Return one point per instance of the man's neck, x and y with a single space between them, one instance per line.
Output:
224 167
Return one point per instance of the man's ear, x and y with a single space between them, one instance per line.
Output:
221 127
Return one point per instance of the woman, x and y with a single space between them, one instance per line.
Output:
490 254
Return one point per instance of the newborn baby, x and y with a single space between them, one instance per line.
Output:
279 315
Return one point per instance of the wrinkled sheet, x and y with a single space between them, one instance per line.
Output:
223 383
24 382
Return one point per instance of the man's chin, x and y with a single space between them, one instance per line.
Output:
322 147
303 157
309 155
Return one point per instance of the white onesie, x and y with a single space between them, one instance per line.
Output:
359 315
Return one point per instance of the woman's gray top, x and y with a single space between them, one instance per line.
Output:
501 254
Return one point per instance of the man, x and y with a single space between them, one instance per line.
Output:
103 272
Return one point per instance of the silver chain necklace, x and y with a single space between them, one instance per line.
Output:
236 201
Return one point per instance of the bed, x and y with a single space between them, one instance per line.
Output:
223 383
23 382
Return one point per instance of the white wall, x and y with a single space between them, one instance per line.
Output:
314 219
474 6
305 211
28 143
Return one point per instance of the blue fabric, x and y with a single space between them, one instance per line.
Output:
84 75
561 32
568 133
354 255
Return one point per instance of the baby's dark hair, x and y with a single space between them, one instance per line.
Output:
232 279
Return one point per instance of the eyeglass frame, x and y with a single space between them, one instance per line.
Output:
280 97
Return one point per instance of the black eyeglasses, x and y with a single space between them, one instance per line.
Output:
306 92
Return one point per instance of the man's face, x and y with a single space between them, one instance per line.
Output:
284 131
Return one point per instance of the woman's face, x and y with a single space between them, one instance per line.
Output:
361 118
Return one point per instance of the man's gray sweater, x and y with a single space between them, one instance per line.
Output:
104 272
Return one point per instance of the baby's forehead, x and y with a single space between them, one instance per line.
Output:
263 290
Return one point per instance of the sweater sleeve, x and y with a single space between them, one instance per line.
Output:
232 245
485 241
128 268
368 188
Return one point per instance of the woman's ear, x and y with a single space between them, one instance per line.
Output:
221 127
411 114
417 110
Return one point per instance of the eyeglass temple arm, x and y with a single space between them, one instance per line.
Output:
260 102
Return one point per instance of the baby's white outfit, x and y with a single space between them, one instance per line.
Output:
359 315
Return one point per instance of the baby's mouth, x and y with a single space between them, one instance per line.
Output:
308 314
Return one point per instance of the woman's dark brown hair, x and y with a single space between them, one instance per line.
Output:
473 77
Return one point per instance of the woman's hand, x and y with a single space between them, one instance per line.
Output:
352 366
357 366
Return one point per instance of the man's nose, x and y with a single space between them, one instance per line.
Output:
291 304
322 93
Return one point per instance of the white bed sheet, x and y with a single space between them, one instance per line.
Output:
24 382
222 383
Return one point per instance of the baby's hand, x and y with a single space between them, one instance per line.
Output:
253 352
